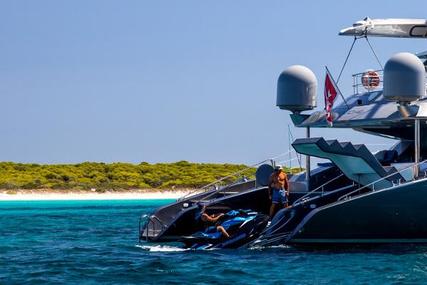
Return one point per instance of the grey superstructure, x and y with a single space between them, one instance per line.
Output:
358 197
384 198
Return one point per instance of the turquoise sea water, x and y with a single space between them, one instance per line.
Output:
95 242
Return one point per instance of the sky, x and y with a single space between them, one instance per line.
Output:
163 81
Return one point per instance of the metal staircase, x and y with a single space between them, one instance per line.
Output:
355 161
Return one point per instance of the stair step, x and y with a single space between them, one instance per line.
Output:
348 146
347 149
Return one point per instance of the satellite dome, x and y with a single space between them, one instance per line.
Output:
404 78
296 89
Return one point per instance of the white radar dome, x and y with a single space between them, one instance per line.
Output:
404 78
296 89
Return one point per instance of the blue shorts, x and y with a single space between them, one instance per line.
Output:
279 196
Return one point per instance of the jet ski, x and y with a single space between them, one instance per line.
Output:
243 226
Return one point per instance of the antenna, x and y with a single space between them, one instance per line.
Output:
290 139
289 147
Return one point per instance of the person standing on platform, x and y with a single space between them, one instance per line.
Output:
278 189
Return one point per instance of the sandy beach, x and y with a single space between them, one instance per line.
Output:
41 195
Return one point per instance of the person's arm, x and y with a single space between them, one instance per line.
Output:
207 218
216 218
212 218
286 184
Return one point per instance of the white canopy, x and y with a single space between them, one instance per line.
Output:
399 28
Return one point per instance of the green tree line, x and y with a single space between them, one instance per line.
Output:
116 176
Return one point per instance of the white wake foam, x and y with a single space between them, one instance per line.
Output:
161 248
259 247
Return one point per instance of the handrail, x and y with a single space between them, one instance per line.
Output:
160 222
263 241
234 174
381 179
282 162
219 190
274 236
289 218
295 204
145 221
249 167
357 80
320 187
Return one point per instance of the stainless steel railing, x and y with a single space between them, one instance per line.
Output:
357 81
394 183
145 221
322 187
215 183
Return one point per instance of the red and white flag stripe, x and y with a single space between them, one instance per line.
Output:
331 92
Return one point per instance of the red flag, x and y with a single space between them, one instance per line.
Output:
331 92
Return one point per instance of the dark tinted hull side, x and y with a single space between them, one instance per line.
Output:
398 215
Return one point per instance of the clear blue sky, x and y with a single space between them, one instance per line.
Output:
163 81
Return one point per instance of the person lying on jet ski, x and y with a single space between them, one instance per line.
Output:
242 226
214 219
231 221
228 221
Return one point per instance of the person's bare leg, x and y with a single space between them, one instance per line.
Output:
272 210
223 231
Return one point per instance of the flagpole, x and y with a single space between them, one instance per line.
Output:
307 163
417 146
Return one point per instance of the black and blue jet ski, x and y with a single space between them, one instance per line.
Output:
243 226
